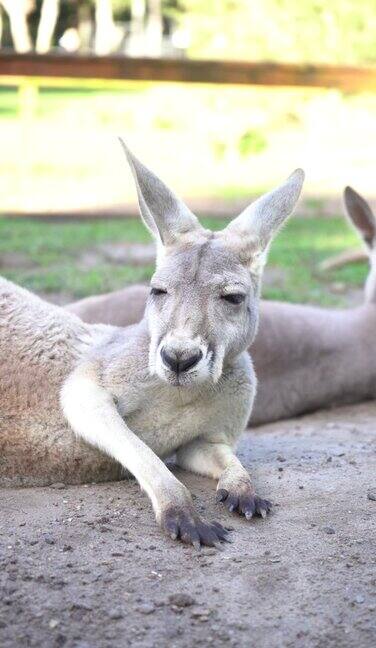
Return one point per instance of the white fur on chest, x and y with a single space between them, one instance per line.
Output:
166 418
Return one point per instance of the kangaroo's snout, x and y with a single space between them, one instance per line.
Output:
182 359
178 362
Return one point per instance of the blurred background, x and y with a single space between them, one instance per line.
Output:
69 227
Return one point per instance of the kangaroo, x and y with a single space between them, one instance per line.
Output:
310 358
306 358
180 381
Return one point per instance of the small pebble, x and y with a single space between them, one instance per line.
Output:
200 614
67 547
146 608
115 614
80 605
329 530
103 520
181 600
372 494
58 486
159 603
53 623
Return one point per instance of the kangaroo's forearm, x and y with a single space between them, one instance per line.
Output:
91 412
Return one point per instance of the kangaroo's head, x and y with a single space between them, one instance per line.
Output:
364 221
203 303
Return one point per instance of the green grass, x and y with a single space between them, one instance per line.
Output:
51 255
298 251
50 98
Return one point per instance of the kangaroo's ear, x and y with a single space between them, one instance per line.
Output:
165 215
361 216
257 224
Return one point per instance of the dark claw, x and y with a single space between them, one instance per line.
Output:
222 493
248 504
171 527
221 532
189 534
262 506
232 502
208 535
185 524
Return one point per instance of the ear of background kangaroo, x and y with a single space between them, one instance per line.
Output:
361 215
165 215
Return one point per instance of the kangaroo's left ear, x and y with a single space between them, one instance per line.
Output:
165 215
253 230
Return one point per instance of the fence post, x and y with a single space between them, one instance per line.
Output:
27 106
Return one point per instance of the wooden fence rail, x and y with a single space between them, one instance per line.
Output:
70 66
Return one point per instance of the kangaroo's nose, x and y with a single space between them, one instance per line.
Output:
174 361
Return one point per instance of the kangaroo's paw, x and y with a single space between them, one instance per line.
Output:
239 496
183 523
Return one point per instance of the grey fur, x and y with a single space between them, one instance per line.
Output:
116 391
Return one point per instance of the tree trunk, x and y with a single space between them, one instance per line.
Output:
17 11
136 42
85 27
104 27
154 28
47 24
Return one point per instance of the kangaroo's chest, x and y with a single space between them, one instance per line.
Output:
166 419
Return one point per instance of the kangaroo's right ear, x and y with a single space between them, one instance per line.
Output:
252 231
361 216
165 215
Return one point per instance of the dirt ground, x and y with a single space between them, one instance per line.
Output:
86 567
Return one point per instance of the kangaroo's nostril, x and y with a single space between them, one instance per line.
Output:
190 362
171 361
176 363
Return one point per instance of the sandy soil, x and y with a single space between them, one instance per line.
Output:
86 567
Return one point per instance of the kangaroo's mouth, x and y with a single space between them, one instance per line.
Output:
186 370
182 380
185 378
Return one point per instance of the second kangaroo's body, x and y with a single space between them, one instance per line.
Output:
179 381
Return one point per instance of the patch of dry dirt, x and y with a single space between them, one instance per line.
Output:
86 567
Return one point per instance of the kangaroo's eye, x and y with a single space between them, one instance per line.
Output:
234 298
158 291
